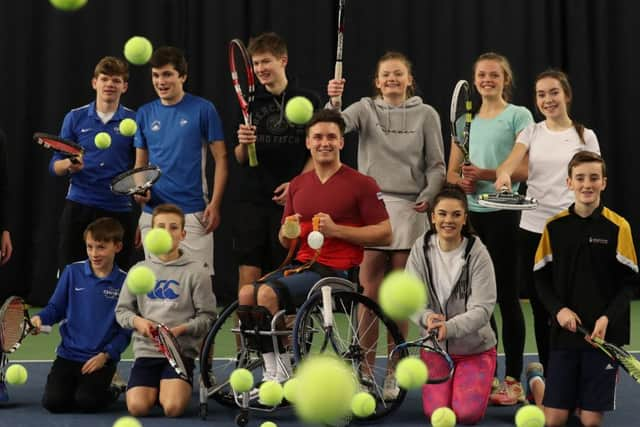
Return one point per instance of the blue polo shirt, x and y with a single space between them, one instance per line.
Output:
91 185
87 305
177 138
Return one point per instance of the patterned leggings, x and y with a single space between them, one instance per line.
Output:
467 392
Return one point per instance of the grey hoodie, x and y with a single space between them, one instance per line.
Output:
182 294
470 306
400 147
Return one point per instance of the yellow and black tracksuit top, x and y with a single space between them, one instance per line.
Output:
590 266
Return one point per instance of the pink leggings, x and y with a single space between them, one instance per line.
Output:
467 392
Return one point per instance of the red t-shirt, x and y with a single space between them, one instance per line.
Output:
349 198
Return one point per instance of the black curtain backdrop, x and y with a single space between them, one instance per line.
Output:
48 57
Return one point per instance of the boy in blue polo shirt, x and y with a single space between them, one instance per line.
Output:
92 342
89 196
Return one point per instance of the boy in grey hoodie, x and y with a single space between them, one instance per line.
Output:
183 300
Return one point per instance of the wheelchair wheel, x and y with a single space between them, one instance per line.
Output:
221 354
345 340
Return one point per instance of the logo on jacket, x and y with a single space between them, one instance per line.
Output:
164 290
111 293
184 122
155 125
598 240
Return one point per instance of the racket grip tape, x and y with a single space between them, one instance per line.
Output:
336 101
327 306
253 156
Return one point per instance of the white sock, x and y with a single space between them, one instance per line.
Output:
270 368
283 368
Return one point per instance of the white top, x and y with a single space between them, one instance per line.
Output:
447 267
549 155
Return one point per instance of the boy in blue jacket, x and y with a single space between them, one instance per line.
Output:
92 341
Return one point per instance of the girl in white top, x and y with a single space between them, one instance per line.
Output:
550 144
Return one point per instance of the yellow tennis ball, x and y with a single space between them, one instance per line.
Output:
127 422
268 424
241 380
443 417
271 393
158 241
363 404
411 373
141 280
68 5
401 295
530 416
138 50
128 127
299 110
290 390
325 386
16 374
102 140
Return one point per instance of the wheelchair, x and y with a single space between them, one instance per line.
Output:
316 329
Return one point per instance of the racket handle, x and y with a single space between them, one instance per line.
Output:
253 156
336 101
327 306
46 329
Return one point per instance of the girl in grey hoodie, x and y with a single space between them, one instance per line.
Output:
458 273
400 146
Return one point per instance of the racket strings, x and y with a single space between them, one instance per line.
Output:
137 180
12 325
172 348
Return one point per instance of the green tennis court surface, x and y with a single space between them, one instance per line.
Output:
43 346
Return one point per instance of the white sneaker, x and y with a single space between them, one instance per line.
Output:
270 369
390 389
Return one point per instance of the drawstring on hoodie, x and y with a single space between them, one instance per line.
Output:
280 107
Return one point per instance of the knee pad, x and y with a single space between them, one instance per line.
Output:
255 319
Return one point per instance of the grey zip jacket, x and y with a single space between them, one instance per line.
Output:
470 306
182 294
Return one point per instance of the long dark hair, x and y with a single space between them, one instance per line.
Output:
562 78
454 191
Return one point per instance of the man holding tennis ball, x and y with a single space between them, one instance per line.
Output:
279 136
92 342
180 296
107 152
348 213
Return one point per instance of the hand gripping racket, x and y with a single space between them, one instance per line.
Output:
67 148
461 110
626 360
15 324
336 101
135 181
505 199
168 345
430 344
244 86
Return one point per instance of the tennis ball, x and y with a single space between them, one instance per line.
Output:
530 416
158 241
138 50
127 422
290 389
68 5
268 424
363 404
411 373
299 110
443 417
315 239
241 380
271 393
326 385
401 295
16 374
102 140
128 127
141 280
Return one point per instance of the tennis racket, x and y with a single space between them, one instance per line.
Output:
505 199
428 343
336 101
67 148
244 85
461 110
626 360
169 346
15 324
135 181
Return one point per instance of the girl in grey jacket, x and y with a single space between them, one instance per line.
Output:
458 273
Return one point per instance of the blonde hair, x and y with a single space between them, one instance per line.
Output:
509 82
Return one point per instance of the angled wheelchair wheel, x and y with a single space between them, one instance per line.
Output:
347 338
221 353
